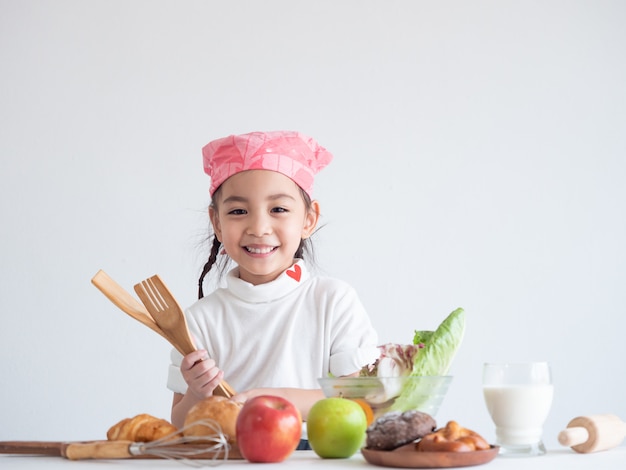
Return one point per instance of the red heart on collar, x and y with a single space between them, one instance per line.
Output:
295 273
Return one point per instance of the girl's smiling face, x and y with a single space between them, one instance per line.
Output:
260 217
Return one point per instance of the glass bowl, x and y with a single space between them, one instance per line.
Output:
386 394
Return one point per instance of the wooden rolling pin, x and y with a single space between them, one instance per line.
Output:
593 433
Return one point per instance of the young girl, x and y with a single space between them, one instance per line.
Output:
274 328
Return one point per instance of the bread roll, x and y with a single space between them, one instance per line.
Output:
218 409
141 428
452 438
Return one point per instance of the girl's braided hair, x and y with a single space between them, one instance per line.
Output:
305 246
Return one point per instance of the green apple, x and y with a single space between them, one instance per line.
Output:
336 427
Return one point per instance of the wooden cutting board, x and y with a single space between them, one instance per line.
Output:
104 450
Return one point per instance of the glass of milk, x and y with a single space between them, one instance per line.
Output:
518 398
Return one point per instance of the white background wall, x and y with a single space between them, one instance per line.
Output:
479 162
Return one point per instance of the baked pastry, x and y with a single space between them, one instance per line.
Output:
395 429
452 438
219 410
141 428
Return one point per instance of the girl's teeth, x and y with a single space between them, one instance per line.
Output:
259 251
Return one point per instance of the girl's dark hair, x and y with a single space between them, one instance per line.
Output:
305 247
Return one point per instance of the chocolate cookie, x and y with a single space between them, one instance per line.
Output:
395 429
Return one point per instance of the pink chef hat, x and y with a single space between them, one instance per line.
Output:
291 153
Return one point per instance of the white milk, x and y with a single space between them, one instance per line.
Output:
518 411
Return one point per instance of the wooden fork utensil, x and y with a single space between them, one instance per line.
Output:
168 315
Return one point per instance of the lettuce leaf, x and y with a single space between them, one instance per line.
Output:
434 359
422 337
395 360
440 346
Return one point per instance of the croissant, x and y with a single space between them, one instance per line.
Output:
141 428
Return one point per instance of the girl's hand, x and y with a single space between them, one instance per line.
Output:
201 374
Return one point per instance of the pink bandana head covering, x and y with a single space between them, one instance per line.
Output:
291 153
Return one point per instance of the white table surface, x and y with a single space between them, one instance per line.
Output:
555 459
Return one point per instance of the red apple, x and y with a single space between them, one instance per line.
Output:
268 429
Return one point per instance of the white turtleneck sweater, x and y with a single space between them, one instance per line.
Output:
286 333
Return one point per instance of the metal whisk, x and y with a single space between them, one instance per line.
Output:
212 448
188 449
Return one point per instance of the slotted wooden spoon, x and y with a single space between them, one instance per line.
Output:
125 302
167 313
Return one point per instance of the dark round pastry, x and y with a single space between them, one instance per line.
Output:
395 429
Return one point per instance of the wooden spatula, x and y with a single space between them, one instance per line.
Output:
124 301
166 312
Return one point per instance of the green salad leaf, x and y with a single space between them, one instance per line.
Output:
440 346
434 359
422 337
